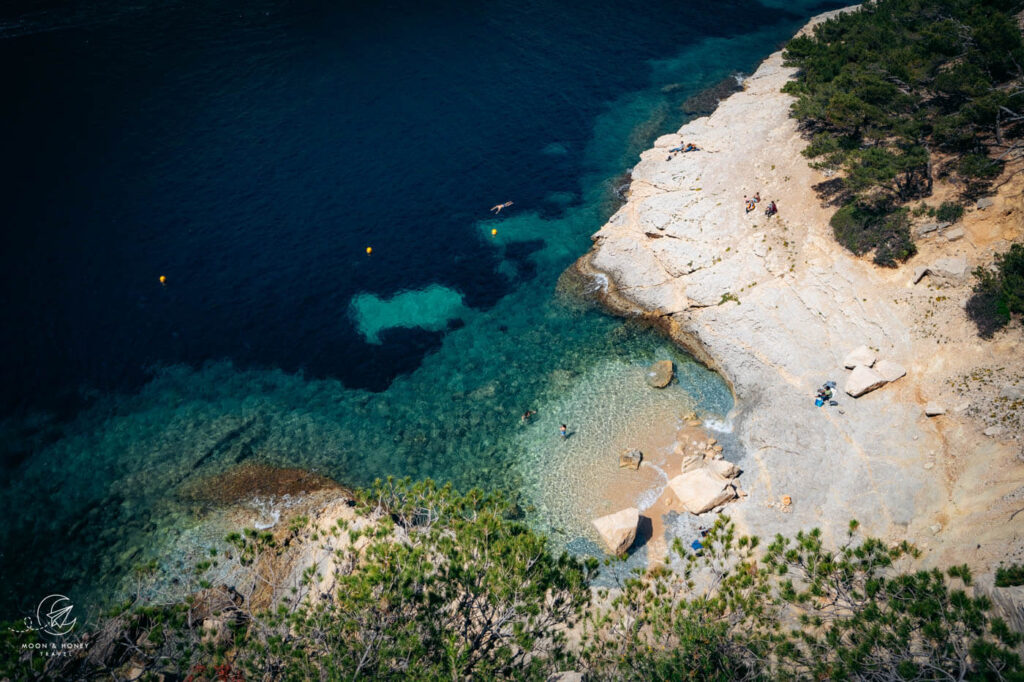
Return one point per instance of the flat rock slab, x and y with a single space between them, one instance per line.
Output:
701 490
952 268
889 370
934 410
860 356
954 234
618 530
863 380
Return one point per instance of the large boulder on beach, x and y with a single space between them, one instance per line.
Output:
630 459
618 530
863 380
659 375
701 490
861 356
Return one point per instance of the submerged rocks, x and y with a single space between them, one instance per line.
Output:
859 357
701 490
630 459
863 380
618 530
659 375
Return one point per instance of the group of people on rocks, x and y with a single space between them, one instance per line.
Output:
752 202
682 148
826 394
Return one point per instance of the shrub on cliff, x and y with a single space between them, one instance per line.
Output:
883 91
446 586
799 610
998 292
862 227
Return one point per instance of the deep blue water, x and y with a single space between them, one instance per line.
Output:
250 152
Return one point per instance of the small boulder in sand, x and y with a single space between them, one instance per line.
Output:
659 375
934 409
863 380
723 469
618 530
889 370
700 490
630 459
859 357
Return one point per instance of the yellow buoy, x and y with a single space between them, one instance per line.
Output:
494 232
163 279
369 250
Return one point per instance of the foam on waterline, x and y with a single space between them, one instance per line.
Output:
719 425
431 309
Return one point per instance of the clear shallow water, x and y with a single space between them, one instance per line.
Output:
250 154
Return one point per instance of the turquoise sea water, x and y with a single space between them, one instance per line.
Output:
254 173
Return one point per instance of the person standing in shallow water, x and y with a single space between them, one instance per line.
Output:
563 431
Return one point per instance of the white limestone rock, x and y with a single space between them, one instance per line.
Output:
860 356
618 530
889 370
701 490
934 409
723 469
953 269
863 380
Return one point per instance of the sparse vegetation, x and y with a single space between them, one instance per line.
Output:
949 212
900 93
998 292
1010 576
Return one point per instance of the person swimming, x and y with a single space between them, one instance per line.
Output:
496 209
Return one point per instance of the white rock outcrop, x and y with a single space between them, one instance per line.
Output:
953 268
618 530
862 356
863 380
724 469
933 409
889 370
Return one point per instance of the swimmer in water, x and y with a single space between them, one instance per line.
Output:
497 209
